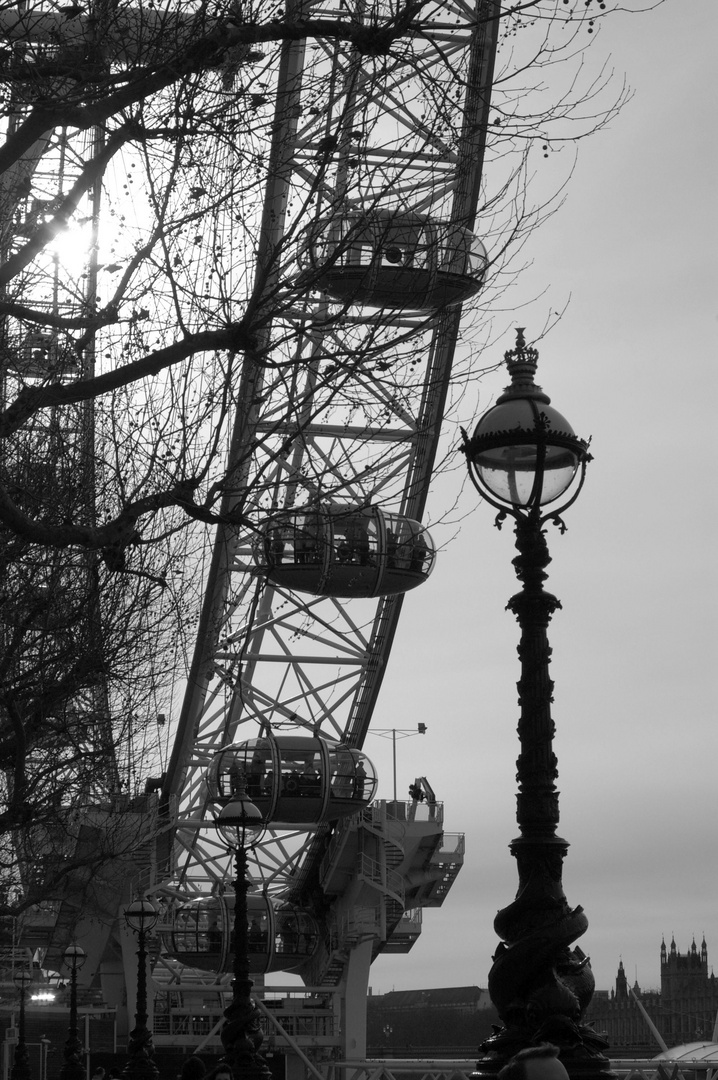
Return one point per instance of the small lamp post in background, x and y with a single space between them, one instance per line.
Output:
526 461
240 825
141 917
73 1067
21 1062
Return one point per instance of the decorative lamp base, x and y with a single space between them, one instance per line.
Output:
140 1065
242 1037
21 1063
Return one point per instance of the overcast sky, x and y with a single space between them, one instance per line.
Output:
632 364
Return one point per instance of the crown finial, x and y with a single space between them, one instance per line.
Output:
522 362
238 781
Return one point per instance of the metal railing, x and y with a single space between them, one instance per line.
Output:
462 1069
382 877
453 846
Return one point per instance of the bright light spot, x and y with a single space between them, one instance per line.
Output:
71 248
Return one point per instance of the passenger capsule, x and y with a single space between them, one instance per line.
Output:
346 552
294 779
394 259
280 937
39 355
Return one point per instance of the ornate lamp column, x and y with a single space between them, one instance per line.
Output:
524 458
21 1062
141 917
73 1067
240 825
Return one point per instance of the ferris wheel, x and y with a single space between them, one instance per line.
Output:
351 260
368 233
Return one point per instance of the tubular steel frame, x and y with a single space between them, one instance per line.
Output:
265 656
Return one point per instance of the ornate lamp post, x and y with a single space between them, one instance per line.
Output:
141 917
21 1061
526 461
73 1067
240 824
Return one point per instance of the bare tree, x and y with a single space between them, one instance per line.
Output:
84 653
170 214
170 114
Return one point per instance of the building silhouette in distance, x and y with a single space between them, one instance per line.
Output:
683 1010
449 1022
452 1022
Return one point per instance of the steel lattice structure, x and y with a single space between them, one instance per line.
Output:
266 656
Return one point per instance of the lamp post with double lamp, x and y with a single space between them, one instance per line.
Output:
73 1067
526 461
240 825
141 916
21 1060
